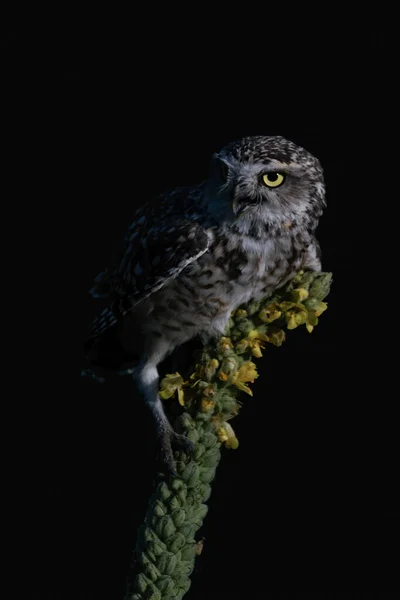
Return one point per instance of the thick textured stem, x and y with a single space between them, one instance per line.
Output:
166 546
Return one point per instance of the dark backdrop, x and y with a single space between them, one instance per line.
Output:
306 499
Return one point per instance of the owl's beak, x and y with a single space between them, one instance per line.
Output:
238 208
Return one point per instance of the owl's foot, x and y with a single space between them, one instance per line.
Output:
168 439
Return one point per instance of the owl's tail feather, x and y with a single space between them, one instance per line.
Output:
105 320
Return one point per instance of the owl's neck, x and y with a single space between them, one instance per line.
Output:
276 226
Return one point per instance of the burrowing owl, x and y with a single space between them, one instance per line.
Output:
195 254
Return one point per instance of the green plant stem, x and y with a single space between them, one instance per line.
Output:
166 543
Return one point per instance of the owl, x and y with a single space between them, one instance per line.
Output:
195 254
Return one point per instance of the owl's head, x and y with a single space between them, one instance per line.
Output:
265 178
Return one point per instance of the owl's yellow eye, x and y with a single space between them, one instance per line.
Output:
273 179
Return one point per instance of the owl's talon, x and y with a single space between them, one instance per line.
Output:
183 443
172 472
167 439
166 452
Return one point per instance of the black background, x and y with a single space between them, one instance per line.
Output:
306 502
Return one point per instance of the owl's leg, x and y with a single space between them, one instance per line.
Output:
147 379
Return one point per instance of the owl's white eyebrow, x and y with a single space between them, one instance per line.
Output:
276 165
266 167
290 169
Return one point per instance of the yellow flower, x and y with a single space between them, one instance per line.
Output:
298 314
259 335
247 372
243 388
206 371
241 313
227 436
294 318
254 340
284 306
299 294
210 368
256 349
170 384
222 434
206 404
242 346
270 313
225 345
312 315
181 397
312 321
276 336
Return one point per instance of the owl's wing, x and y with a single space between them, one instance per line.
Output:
153 254
312 257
